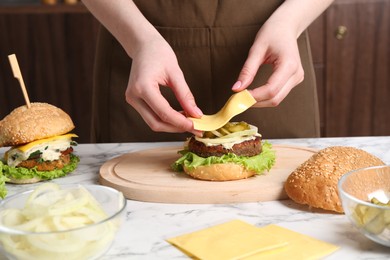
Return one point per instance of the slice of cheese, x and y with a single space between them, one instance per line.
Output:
231 240
50 149
239 240
300 247
28 146
235 105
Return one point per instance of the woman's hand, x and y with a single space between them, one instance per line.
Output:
276 44
155 65
279 48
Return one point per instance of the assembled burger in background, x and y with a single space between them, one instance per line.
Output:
41 145
232 152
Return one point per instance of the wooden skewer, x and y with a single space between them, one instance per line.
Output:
18 75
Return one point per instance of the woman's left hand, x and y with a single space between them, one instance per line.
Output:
277 47
276 44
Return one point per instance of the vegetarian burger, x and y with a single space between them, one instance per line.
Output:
233 152
41 144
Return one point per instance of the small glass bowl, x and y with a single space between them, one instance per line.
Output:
356 190
87 242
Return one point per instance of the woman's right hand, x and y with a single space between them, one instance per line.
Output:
155 65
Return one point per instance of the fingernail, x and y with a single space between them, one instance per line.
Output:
198 111
198 133
236 85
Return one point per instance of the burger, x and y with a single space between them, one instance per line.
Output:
232 152
41 145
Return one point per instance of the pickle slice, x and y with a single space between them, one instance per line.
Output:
228 128
386 216
376 225
377 202
233 127
223 131
370 215
373 220
358 214
209 134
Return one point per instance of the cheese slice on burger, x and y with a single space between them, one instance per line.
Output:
48 149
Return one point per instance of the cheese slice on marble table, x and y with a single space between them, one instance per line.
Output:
239 240
300 247
231 240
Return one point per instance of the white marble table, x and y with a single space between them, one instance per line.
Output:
143 234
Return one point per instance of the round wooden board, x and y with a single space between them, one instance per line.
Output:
146 176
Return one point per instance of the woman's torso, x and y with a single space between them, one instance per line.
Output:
211 40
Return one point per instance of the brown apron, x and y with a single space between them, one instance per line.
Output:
211 39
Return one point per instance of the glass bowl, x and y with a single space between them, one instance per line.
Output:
88 240
357 189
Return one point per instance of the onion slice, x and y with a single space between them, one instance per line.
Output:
230 138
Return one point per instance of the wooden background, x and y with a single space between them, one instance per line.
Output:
55 47
353 70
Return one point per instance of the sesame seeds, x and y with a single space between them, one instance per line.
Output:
314 182
24 125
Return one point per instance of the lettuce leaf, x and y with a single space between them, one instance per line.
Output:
259 163
3 179
20 173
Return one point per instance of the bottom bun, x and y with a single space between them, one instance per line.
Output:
24 181
220 172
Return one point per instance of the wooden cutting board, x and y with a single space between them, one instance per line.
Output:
146 176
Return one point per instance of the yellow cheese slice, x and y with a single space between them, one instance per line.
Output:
231 240
300 247
236 104
28 146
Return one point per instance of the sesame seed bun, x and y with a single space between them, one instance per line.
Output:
24 125
314 182
220 172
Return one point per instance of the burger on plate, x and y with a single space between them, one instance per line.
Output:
41 145
232 152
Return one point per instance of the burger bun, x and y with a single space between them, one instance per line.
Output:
220 172
314 182
24 181
24 125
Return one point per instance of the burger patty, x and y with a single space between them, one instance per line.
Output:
48 165
246 148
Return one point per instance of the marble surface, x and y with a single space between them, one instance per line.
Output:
147 225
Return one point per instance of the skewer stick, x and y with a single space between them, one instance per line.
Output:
18 75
